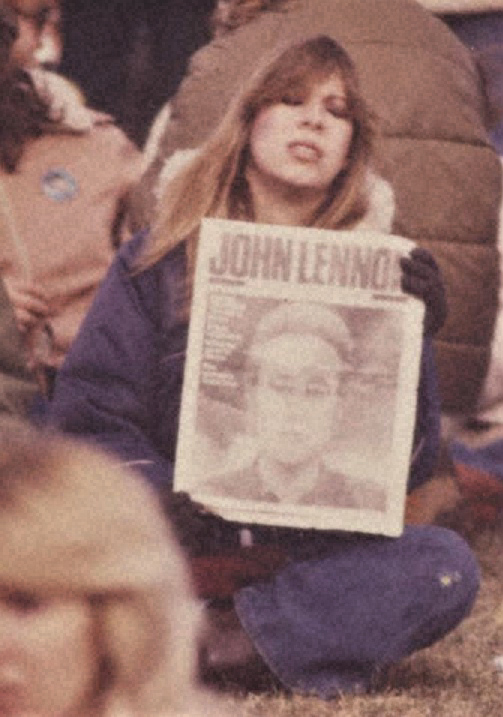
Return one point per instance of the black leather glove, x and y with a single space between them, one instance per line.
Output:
421 277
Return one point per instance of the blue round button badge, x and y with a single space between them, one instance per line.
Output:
59 184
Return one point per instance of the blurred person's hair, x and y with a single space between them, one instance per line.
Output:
213 183
82 525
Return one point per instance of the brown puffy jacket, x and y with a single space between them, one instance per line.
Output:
426 90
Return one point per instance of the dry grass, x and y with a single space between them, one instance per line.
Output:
454 678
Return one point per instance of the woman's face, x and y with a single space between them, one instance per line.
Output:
303 141
47 655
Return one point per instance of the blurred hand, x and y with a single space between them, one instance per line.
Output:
29 303
422 278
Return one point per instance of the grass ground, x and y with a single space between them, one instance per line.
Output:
454 678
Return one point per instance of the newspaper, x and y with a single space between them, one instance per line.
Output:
300 385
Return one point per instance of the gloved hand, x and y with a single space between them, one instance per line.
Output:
421 277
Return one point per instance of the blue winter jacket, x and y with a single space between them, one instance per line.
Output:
120 384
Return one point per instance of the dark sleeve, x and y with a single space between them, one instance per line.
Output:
105 390
427 429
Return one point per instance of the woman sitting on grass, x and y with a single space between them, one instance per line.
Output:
294 149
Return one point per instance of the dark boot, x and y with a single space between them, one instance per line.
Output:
228 658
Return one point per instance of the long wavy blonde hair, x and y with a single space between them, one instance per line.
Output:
81 525
213 183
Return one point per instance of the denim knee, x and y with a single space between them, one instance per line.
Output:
454 585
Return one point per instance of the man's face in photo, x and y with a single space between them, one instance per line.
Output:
294 402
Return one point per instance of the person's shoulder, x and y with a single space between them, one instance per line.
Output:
231 482
238 483
68 108
370 494
131 250
90 140
343 491
155 285
113 139
240 43
111 155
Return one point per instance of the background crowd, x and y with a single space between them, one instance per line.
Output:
111 115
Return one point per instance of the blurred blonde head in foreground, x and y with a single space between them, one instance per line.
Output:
97 616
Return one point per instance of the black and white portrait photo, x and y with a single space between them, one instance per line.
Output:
293 407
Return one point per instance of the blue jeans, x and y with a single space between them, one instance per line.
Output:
327 624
